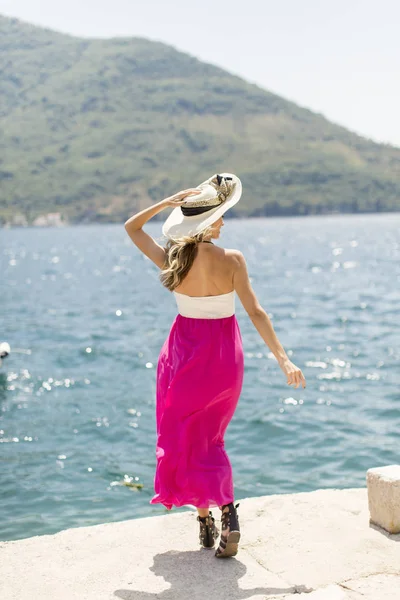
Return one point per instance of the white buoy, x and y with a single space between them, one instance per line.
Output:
4 350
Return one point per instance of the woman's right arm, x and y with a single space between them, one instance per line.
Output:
261 320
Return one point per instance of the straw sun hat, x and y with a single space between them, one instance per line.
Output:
218 193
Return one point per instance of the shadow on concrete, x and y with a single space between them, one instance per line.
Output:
197 575
394 537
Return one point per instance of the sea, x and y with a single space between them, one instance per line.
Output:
85 315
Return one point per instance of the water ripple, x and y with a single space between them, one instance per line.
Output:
77 394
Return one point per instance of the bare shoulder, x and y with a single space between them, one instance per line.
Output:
236 257
242 283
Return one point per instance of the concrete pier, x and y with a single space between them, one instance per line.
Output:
317 545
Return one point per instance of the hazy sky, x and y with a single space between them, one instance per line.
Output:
340 58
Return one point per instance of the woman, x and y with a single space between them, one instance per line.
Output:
200 366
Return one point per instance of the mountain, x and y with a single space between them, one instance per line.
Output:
100 128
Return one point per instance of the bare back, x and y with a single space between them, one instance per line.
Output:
217 271
211 273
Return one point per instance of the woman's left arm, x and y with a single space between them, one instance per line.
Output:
143 240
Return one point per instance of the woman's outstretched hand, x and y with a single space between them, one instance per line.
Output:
294 374
180 197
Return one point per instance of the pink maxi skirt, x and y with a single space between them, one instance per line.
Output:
199 381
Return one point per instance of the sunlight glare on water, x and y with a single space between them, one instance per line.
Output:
86 319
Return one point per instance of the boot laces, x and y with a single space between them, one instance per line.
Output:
226 516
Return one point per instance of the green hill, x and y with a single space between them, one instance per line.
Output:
99 128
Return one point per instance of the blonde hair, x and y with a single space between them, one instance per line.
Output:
179 257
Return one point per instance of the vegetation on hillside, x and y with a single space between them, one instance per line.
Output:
97 129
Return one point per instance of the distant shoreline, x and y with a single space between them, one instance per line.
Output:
64 223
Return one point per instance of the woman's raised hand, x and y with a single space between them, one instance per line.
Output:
180 197
294 374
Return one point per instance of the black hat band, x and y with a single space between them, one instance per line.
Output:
190 211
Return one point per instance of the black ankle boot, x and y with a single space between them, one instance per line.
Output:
208 530
228 544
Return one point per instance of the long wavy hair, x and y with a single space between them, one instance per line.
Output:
179 256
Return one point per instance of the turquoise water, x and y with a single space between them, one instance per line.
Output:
85 316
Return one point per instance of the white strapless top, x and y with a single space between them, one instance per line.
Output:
206 307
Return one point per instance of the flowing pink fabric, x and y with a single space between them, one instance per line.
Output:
199 380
